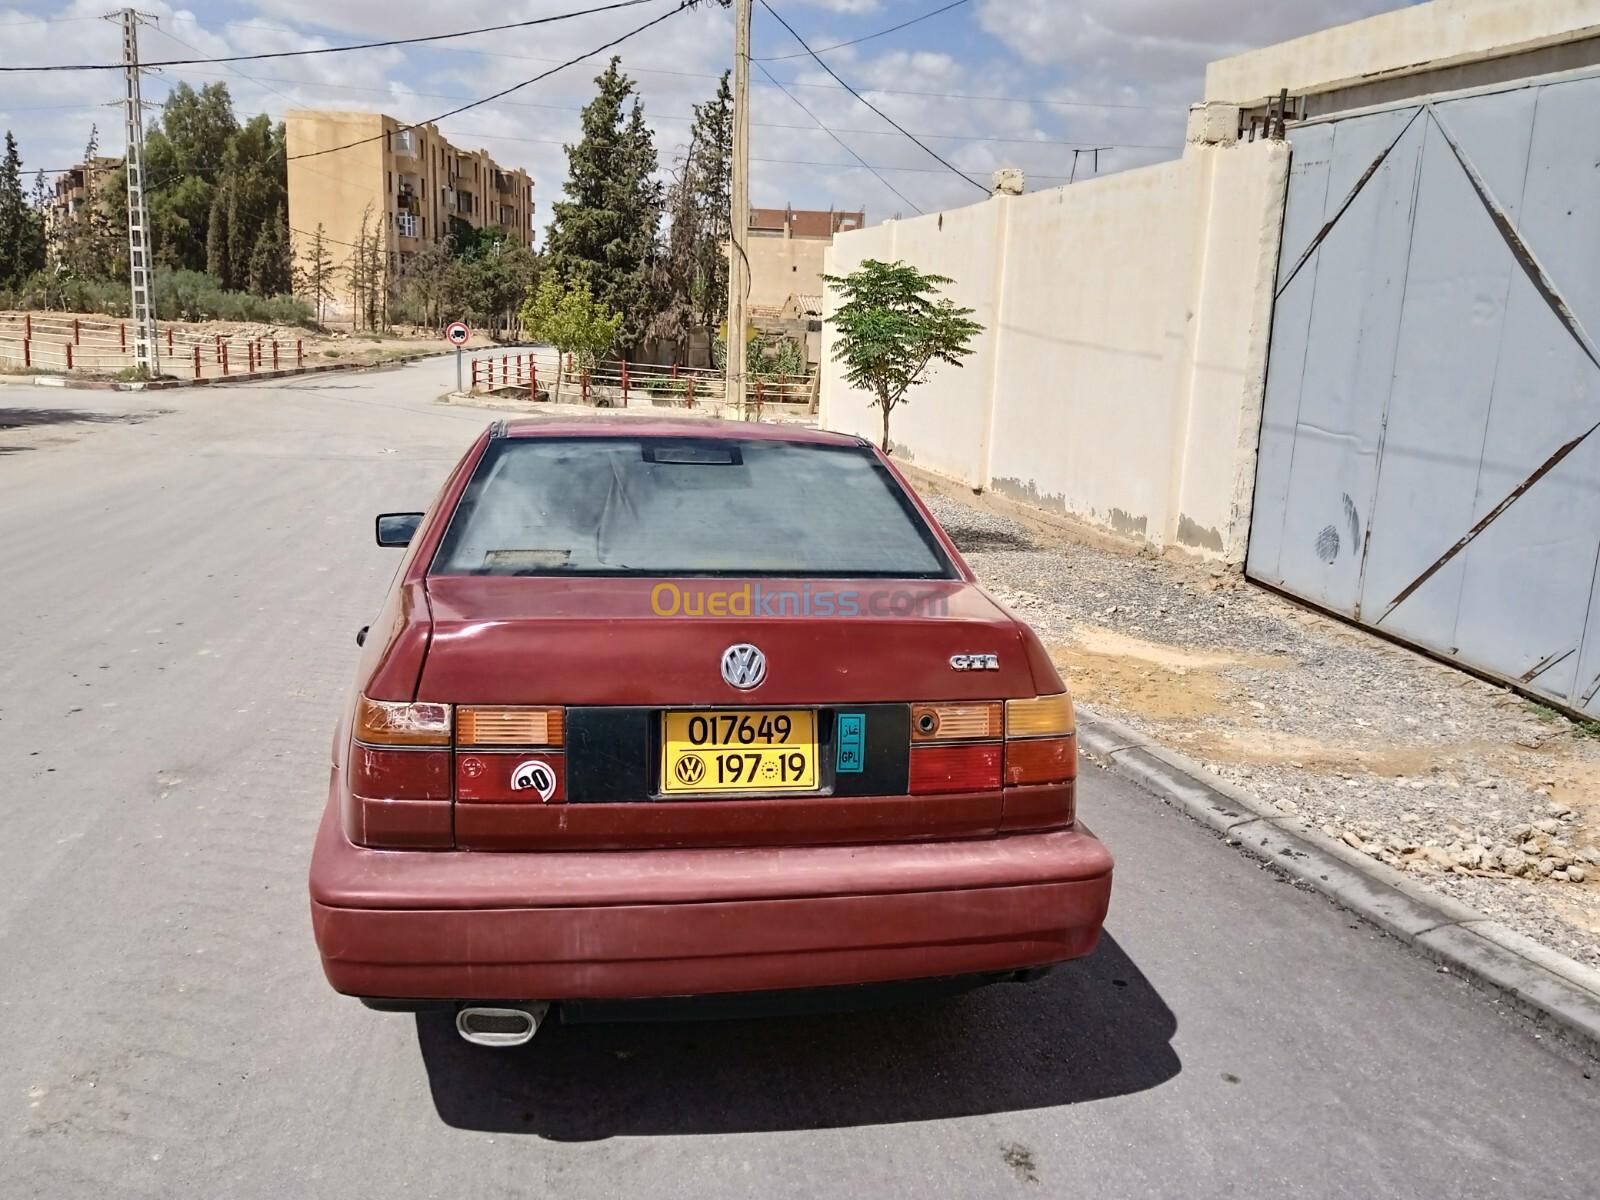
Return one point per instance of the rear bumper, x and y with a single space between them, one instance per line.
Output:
653 923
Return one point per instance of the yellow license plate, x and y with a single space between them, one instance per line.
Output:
746 750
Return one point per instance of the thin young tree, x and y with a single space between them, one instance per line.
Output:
317 273
891 330
572 320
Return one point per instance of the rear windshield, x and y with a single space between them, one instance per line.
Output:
657 506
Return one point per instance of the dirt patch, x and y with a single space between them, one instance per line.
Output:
1165 682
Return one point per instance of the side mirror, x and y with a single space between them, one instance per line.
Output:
397 529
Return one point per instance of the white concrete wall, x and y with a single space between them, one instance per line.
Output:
942 426
1420 37
1126 319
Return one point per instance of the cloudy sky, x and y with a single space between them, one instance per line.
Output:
989 83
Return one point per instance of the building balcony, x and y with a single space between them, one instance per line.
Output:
504 183
406 225
403 142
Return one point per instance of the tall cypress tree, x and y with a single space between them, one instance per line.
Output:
604 232
712 172
19 232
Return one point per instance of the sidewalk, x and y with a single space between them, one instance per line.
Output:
1473 791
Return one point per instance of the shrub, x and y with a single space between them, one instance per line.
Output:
180 296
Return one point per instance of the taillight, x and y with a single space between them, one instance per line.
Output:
1041 716
400 775
955 747
510 755
387 723
1041 760
972 768
1041 742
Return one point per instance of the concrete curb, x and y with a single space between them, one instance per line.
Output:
162 385
1559 993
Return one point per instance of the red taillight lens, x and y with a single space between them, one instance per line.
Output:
936 769
400 774
1041 760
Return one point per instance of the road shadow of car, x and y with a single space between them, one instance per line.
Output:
28 418
1089 1030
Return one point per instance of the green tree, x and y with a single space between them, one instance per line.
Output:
572 320
21 231
493 281
427 284
185 161
891 330
92 243
218 243
366 273
712 157
271 266
316 274
604 232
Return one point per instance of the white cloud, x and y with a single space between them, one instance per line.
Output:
998 83
845 6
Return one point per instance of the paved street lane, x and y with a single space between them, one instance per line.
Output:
181 577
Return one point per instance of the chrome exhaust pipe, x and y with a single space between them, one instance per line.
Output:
500 1025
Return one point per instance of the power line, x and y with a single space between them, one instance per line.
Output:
932 153
848 149
617 41
867 38
436 37
318 85
45 21
638 70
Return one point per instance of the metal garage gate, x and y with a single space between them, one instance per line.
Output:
1429 457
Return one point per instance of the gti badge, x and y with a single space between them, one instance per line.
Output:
535 775
974 662
744 666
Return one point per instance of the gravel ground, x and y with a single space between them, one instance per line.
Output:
1491 799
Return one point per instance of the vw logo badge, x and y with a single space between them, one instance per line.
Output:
690 769
535 775
744 666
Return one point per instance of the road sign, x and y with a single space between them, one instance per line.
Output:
457 333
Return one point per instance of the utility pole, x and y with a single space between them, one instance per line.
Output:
739 216
142 308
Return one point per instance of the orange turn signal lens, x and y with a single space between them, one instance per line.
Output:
510 726
955 722
390 723
1041 716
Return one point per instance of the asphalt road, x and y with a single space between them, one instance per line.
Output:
180 579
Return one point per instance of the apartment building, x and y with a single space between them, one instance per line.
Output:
76 190
411 181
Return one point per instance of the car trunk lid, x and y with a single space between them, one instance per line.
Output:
615 654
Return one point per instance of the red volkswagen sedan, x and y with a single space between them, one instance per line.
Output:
668 708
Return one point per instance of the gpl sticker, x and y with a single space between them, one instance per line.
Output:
534 775
851 734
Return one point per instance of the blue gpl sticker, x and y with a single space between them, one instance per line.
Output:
852 738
